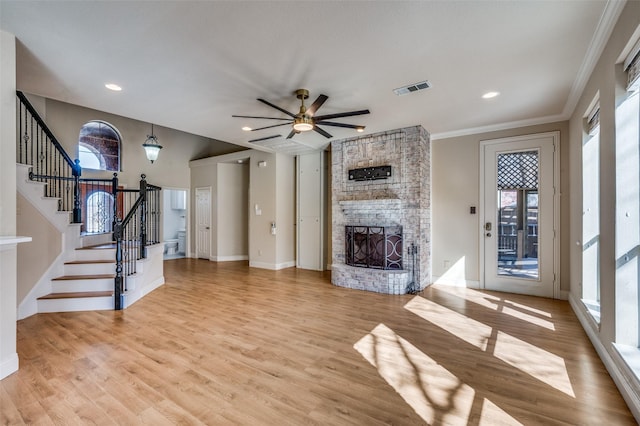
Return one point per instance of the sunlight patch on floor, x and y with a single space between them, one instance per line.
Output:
539 363
431 390
516 313
516 310
492 415
471 331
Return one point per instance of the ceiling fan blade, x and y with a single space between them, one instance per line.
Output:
266 138
277 107
341 114
275 125
316 104
333 123
293 132
322 132
266 118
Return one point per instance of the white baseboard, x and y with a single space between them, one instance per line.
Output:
9 366
133 296
624 379
272 266
233 258
456 282
563 295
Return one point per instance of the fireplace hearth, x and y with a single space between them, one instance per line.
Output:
376 247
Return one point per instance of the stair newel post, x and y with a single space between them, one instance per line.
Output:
77 210
118 285
114 192
143 217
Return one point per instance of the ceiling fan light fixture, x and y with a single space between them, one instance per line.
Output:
303 123
360 129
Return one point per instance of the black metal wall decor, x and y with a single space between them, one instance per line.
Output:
370 173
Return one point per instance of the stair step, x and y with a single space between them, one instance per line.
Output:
104 246
85 262
95 253
84 277
77 295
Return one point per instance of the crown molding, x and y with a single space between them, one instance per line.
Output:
610 15
500 126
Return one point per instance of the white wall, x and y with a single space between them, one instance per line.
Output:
285 209
34 258
311 211
262 192
8 254
232 212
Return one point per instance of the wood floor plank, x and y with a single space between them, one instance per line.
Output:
222 343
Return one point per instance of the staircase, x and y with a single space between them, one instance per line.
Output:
82 276
90 272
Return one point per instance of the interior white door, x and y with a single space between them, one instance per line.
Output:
518 228
203 223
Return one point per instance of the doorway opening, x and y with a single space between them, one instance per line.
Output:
174 222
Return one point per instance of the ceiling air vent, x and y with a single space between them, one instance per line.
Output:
412 88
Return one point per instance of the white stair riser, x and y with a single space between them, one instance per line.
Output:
96 254
72 286
89 268
77 304
96 239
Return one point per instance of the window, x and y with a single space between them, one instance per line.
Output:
627 248
99 215
99 146
591 214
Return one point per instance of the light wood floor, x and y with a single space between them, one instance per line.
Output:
225 344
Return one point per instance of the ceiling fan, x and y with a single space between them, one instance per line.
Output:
306 119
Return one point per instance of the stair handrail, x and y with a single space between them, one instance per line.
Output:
137 217
75 165
54 171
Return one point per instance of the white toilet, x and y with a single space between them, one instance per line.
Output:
171 246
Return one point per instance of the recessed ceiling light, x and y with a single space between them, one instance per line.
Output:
490 95
113 86
246 128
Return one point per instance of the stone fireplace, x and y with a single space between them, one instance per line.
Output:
381 223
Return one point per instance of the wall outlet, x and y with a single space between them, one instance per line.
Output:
259 252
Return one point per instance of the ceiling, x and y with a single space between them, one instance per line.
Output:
191 65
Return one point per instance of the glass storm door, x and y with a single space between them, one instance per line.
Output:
518 223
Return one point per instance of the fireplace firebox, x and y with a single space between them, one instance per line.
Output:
377 247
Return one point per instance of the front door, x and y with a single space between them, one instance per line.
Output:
518 230
203 223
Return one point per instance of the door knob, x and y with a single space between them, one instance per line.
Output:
488 234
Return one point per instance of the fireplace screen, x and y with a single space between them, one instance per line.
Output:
378 247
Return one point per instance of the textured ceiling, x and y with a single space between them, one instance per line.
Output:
191 65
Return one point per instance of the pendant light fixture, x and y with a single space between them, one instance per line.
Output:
151 146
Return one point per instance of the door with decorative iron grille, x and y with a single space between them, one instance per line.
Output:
518 215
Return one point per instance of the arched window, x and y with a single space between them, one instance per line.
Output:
99 212
99 146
